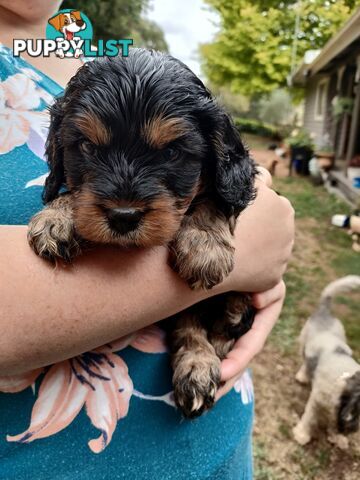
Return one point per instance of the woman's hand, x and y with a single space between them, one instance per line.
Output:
264 239
269 305
268 225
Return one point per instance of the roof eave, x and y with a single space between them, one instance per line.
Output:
348 34
345 36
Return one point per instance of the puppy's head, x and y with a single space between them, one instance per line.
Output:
137 139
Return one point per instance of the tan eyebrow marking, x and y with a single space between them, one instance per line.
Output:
160 131
93 128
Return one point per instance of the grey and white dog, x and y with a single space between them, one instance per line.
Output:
334 374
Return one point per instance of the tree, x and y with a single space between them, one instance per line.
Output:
276 108
121 19
148 34
253 49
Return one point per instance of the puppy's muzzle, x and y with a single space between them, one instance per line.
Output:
124 220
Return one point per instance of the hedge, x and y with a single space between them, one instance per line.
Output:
246 125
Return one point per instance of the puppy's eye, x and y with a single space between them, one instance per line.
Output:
172 153
88 148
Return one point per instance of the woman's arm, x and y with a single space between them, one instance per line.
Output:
48 314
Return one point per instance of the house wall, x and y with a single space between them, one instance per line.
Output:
312 124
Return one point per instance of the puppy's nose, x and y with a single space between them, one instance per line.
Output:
124 220
79 23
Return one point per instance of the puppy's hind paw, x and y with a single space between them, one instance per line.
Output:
301 435
302 376
52 236
195 390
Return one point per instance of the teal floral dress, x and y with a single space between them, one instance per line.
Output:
108 413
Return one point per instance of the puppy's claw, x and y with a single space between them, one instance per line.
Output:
195 391
52 237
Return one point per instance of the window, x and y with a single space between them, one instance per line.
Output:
320 103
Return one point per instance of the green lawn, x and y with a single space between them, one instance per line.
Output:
322 253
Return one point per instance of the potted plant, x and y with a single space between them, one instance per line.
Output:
325 154
301 150
341 106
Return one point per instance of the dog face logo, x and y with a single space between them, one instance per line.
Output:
68 23
69 28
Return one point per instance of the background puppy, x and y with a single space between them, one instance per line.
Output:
334 401
149 158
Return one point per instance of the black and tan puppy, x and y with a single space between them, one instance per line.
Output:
147 157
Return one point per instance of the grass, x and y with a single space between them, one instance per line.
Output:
310 467
263 472
322 253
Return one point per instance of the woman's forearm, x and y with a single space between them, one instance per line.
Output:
48 314
51 313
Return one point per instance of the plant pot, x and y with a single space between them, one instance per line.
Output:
329 155
353 174
300 158
325 162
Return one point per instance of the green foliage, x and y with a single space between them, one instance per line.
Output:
247 125
148 34
252 51
343 105
300 138
276 108
234 103
121 19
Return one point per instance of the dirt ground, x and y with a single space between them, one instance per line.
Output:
322 253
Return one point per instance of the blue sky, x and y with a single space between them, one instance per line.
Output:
186 24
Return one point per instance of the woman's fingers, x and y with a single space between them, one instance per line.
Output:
263 299
253 341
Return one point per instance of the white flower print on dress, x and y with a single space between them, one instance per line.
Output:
19 98
244 386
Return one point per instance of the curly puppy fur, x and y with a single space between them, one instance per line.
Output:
147 157
334 375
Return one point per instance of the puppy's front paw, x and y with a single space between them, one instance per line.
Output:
302 376
202 259
301 435
195 386
52 236
339 440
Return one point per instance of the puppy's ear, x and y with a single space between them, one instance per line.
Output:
348 415
57 22
55 154
234 169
